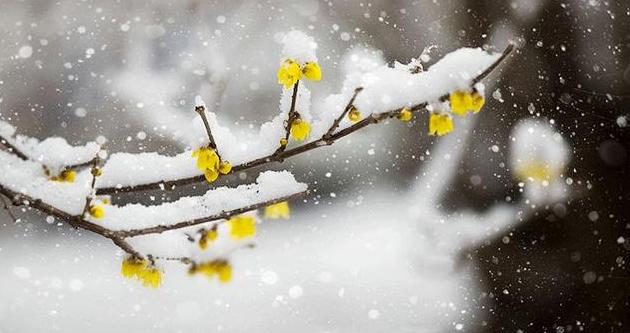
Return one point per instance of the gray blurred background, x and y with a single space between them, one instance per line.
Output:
82 69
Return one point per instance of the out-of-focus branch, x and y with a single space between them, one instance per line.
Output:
325 140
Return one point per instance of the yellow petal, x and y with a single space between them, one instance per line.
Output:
300 129
207 158
225 167
461 101
405 115
278 210
97 211
289 73
131 267
150 277
477 102
354 114
211 175
312 71
225 272
440 124
68 175
242 226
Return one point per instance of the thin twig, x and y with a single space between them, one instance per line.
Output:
337 121
201 110
280 157
12 149
8 209
291 117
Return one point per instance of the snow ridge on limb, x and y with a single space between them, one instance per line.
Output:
54 153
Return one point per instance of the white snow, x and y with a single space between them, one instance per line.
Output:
27 177
54 152
269 185
298 46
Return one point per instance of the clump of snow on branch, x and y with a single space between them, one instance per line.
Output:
269 185
299 46
54 152
28 177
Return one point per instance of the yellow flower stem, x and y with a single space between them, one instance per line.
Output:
201 110
292 116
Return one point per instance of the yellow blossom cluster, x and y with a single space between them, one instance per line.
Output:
221 268
209 162
278 210
242 226
441 123
464 101
67 176
149 275
291 71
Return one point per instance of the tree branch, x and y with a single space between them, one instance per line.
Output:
220 216
337 121
290 118
325 140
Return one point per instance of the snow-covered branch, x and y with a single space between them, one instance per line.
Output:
67 183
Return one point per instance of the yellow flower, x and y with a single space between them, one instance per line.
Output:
208 161
312 71
225 167
207 158
150 277
242 226
536 170
289 73
300 129
65 176
354 114
284 142
132 266
477 102
405 115
278 210
464 101
440 124
218 267
461 102
208 237
97 211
